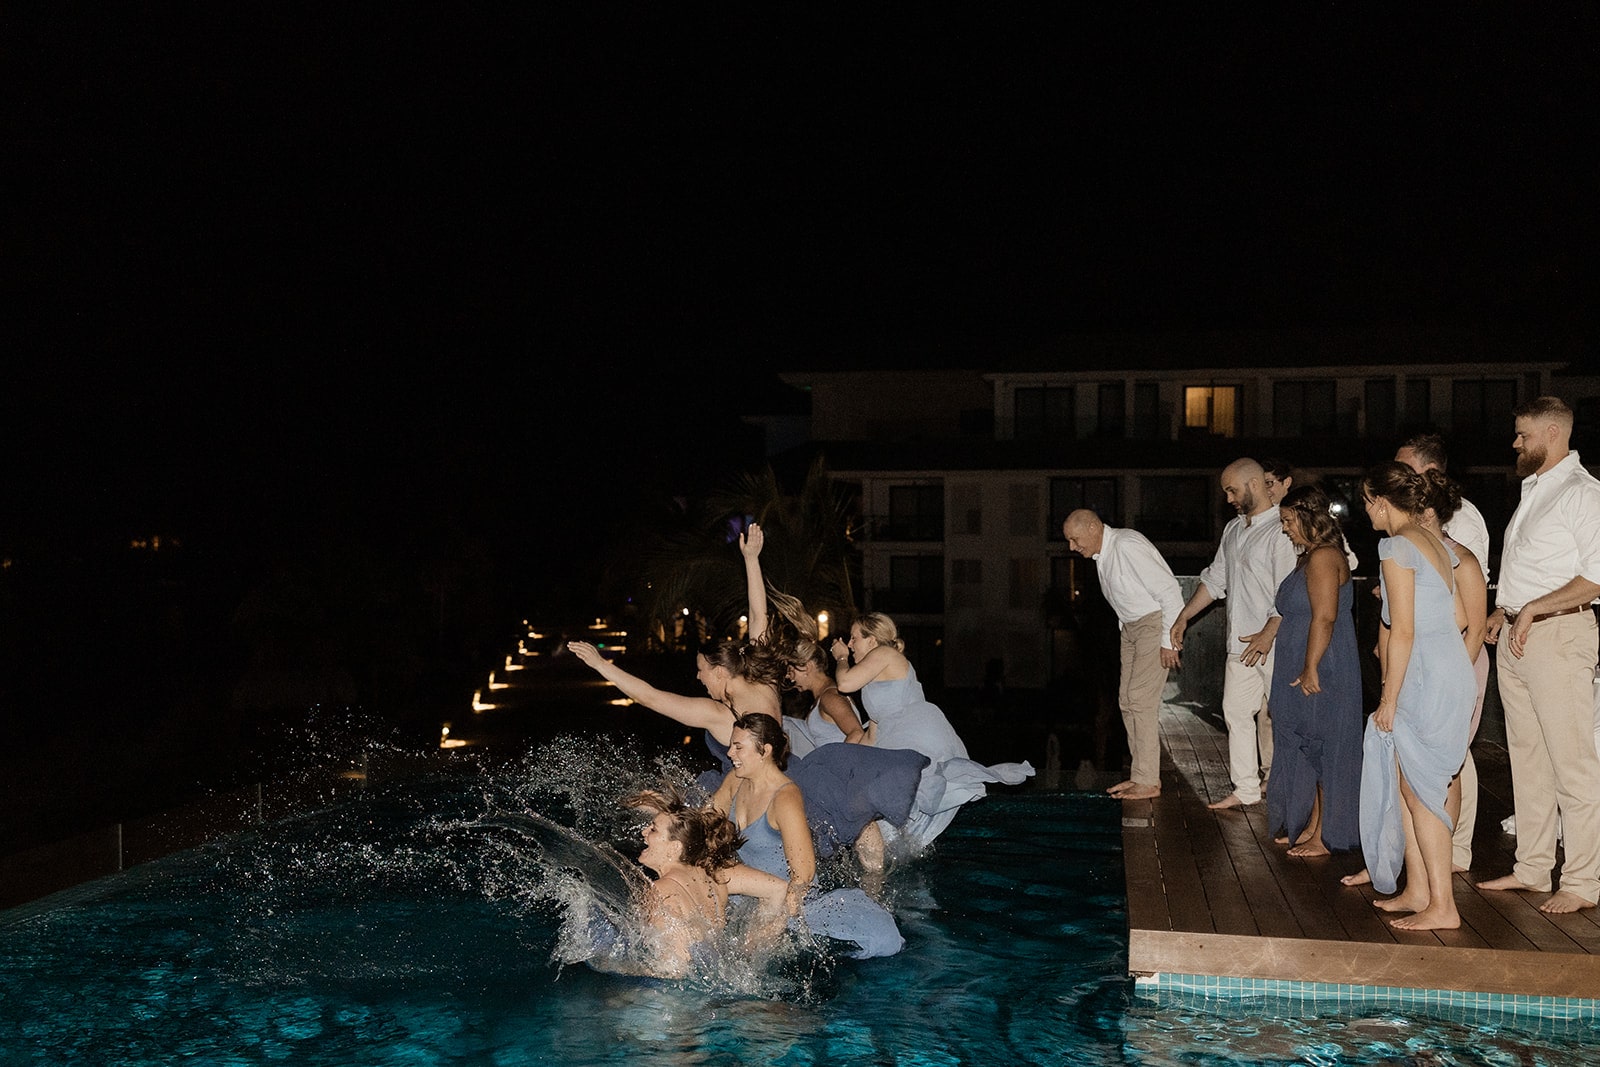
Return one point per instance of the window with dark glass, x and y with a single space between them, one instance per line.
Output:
1380 405
1482 404
1043 411
1113 416
1303 408
1175 508
1419 403
916 513
1147 411
1067 495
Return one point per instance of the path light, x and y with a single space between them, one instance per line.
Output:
446 741
822 624
512 666
493 685
477 702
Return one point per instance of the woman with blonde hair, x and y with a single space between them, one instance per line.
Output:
904 718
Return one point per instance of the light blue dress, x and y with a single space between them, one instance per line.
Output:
1431 723
842 914
907 720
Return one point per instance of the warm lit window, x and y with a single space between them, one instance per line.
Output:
1212 409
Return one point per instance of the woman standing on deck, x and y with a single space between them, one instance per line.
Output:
1314 793
1416 740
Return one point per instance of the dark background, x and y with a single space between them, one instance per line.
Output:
395 322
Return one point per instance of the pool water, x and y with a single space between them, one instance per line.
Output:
392 930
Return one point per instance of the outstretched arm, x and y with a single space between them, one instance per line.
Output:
750 543
702 713
852 679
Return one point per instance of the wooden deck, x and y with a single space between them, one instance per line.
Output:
1211 894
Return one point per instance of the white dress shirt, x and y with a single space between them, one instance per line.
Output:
1467 529
1553 536
1136 580
1253 559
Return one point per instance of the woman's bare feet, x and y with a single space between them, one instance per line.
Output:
1441 918
1310 848
1361 877
1121 788
1403 902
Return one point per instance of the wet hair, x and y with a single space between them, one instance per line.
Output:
1428 448
760 662
1549 408
1310 506
1397 484
767 731
881 628
710 841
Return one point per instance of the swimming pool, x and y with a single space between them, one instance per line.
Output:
386 931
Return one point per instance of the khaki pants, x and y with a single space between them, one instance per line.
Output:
1139 696
1244 709
1548 696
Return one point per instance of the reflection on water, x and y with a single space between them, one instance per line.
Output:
418 925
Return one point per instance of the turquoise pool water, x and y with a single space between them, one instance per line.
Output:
388 931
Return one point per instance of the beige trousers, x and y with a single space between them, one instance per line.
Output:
1139 696
1244 709
1548 697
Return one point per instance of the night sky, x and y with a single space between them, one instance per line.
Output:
515 262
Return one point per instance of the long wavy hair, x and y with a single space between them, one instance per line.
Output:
1317 523
710 840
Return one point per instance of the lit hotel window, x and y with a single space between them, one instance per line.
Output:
1212 409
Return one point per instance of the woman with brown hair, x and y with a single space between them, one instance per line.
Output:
1314 793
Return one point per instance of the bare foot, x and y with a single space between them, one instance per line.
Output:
1403 902
1361 877
1565 903
1310 848
1281 840
1230 801
1510 881
1121 788
1141 792
1441 918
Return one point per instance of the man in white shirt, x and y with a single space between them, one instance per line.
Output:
1549 575
1142 591
1252 560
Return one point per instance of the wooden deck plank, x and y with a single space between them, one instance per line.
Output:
1236 904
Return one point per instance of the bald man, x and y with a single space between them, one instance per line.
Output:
1252 560
1142 591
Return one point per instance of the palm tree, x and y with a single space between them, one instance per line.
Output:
692 560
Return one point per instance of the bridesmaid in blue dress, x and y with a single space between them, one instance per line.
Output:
1416 740
769 810
903 718
1314 793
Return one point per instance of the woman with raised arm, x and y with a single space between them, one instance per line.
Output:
903 718
769 809
1416 740
1314 793
847 790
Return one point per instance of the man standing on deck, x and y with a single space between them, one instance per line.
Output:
1549 575
1252 560
1141 589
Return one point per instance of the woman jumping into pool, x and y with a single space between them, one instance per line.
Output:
694 854
902 717
847 787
